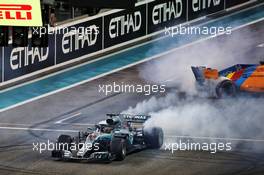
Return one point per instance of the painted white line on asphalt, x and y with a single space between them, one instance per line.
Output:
78 124
72 116
36 129
14 124
125 67
216 138
260 45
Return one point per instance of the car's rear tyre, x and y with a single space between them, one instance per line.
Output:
153 137
66 141
118 148
226 88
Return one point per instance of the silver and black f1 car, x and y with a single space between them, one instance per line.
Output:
110 139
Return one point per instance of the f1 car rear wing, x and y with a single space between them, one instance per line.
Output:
203 73
131 118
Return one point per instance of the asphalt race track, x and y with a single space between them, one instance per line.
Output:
79 107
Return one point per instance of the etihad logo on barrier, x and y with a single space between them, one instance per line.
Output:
198 5
20 13
15 12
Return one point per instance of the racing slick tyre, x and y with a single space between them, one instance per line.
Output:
225 88
66 140
118 148
153 137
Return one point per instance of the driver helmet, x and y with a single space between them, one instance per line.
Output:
105 127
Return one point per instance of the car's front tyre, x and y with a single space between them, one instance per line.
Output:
65 142
118 148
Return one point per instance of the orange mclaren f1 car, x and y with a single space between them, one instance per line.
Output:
240 77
